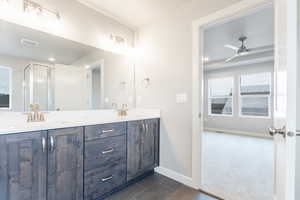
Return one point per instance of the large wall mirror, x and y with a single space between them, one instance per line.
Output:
58 74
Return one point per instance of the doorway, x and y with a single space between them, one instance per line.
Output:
285 92
95 78
238 68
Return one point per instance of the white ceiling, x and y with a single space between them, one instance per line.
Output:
258 27
64 51
135 12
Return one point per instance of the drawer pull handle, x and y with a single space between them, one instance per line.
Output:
108 151
108 131
107 178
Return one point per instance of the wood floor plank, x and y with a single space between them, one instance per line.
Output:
158 187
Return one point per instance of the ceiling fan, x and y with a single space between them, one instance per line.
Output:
239 51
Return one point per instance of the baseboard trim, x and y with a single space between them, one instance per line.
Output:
240 133
211 194
185 180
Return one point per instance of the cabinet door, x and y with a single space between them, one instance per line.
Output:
134 149
65 164
149 138
23 166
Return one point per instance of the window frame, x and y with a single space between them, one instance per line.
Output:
252 96
220 97
10 88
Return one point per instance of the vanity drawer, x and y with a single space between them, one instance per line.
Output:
105 130
99 182
105 153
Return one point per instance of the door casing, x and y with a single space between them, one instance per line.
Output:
285 35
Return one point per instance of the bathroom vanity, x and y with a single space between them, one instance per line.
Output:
78 162
78 144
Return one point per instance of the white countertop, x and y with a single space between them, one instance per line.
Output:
15 122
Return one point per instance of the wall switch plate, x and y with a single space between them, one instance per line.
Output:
181 98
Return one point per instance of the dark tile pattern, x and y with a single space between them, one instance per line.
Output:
158 187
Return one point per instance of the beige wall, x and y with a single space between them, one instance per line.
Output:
166 48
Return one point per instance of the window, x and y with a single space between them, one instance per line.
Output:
255 94
220 96
5 88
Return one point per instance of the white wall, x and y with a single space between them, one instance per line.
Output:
166 48
70 88
116 70
236 123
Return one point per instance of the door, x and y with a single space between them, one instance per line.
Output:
23 166
134 149
285 82
149 144
285 98
65 164
142 147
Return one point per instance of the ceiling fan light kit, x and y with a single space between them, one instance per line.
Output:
239 51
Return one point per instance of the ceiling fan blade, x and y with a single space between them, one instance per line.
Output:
262 49
231 58
231 47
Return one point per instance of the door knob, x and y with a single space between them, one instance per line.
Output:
282 131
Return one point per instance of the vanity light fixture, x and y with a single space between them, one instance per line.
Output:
36 9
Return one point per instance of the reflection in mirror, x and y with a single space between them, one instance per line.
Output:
5 87
58 74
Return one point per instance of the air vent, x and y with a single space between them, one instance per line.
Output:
30 43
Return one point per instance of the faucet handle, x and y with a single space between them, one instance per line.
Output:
42 117
34 107
29 117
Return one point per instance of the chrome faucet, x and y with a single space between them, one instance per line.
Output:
35 115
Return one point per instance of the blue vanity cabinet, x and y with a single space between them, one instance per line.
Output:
142 147
65 164
23 166
77 163
105 159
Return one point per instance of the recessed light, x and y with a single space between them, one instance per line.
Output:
87 66
51 59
